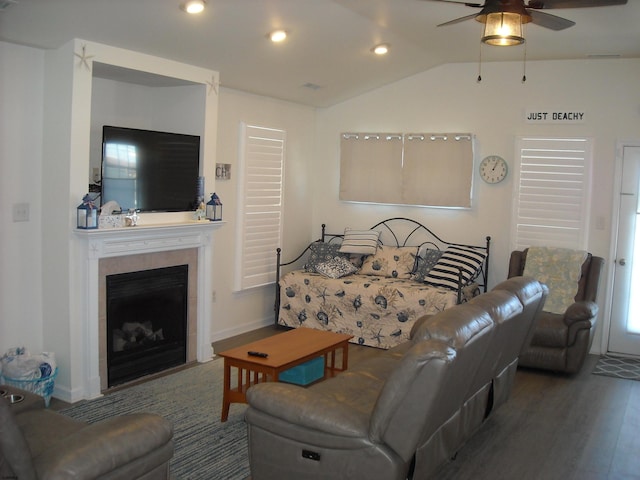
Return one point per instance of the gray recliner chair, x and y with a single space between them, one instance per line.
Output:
561 342
38 443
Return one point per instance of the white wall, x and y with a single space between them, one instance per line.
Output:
443 99
238 312
448 99
21 103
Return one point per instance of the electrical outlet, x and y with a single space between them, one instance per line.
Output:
20 212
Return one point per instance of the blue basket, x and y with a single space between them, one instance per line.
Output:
40 386
305 373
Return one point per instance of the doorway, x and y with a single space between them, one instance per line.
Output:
624 330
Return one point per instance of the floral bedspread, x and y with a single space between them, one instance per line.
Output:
378 311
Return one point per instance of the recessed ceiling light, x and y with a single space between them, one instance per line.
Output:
278 36
193 6
312 86
381 49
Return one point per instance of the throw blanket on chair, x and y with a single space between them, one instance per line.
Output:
560 269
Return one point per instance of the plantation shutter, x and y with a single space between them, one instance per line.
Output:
552 188
260 205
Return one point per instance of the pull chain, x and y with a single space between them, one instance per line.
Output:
524 62
480 64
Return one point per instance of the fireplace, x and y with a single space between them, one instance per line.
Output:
146 322
111 251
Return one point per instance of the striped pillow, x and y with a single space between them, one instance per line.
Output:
363 242
445 272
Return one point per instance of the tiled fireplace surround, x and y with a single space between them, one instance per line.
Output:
136 263
120 250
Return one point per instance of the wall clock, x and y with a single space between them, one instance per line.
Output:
493 169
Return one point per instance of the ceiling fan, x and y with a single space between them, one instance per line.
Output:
530 11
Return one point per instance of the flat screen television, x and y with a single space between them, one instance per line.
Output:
149 171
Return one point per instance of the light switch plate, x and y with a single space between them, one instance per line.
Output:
20 212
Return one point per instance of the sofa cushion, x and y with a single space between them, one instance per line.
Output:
320 252
550 331
337 267
455 326
40 439
15 456
456 259
364 242
394 262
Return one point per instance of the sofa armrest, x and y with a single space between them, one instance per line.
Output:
304 407
104 446
580 311
31 401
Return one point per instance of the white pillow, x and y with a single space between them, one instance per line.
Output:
363 242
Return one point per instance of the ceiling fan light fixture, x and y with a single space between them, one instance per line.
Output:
193 6
278 36
381 49
503 29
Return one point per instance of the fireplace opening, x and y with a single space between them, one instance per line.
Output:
147 315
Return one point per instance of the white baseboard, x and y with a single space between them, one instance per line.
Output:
244 328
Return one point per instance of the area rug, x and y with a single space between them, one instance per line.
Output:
191 399
619 367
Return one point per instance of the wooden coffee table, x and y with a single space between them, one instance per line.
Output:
285 350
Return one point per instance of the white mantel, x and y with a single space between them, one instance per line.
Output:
117 242
69 266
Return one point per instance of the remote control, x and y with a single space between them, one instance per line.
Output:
257 354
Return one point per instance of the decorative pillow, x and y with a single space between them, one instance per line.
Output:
364 242
559 269
445 272
15 457
394 262
336 267
320 252
424 263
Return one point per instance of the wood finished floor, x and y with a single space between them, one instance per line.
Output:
582 427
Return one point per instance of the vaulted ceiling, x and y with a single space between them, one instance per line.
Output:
327 56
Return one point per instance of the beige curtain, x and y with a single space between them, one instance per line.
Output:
437 172
371 168
413 169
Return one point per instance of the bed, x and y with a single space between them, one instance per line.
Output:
375 283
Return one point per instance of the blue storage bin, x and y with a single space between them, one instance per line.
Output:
305 373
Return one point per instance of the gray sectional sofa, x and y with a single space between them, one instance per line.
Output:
402 413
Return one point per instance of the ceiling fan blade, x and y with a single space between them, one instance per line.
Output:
544 4
549 21
458 20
